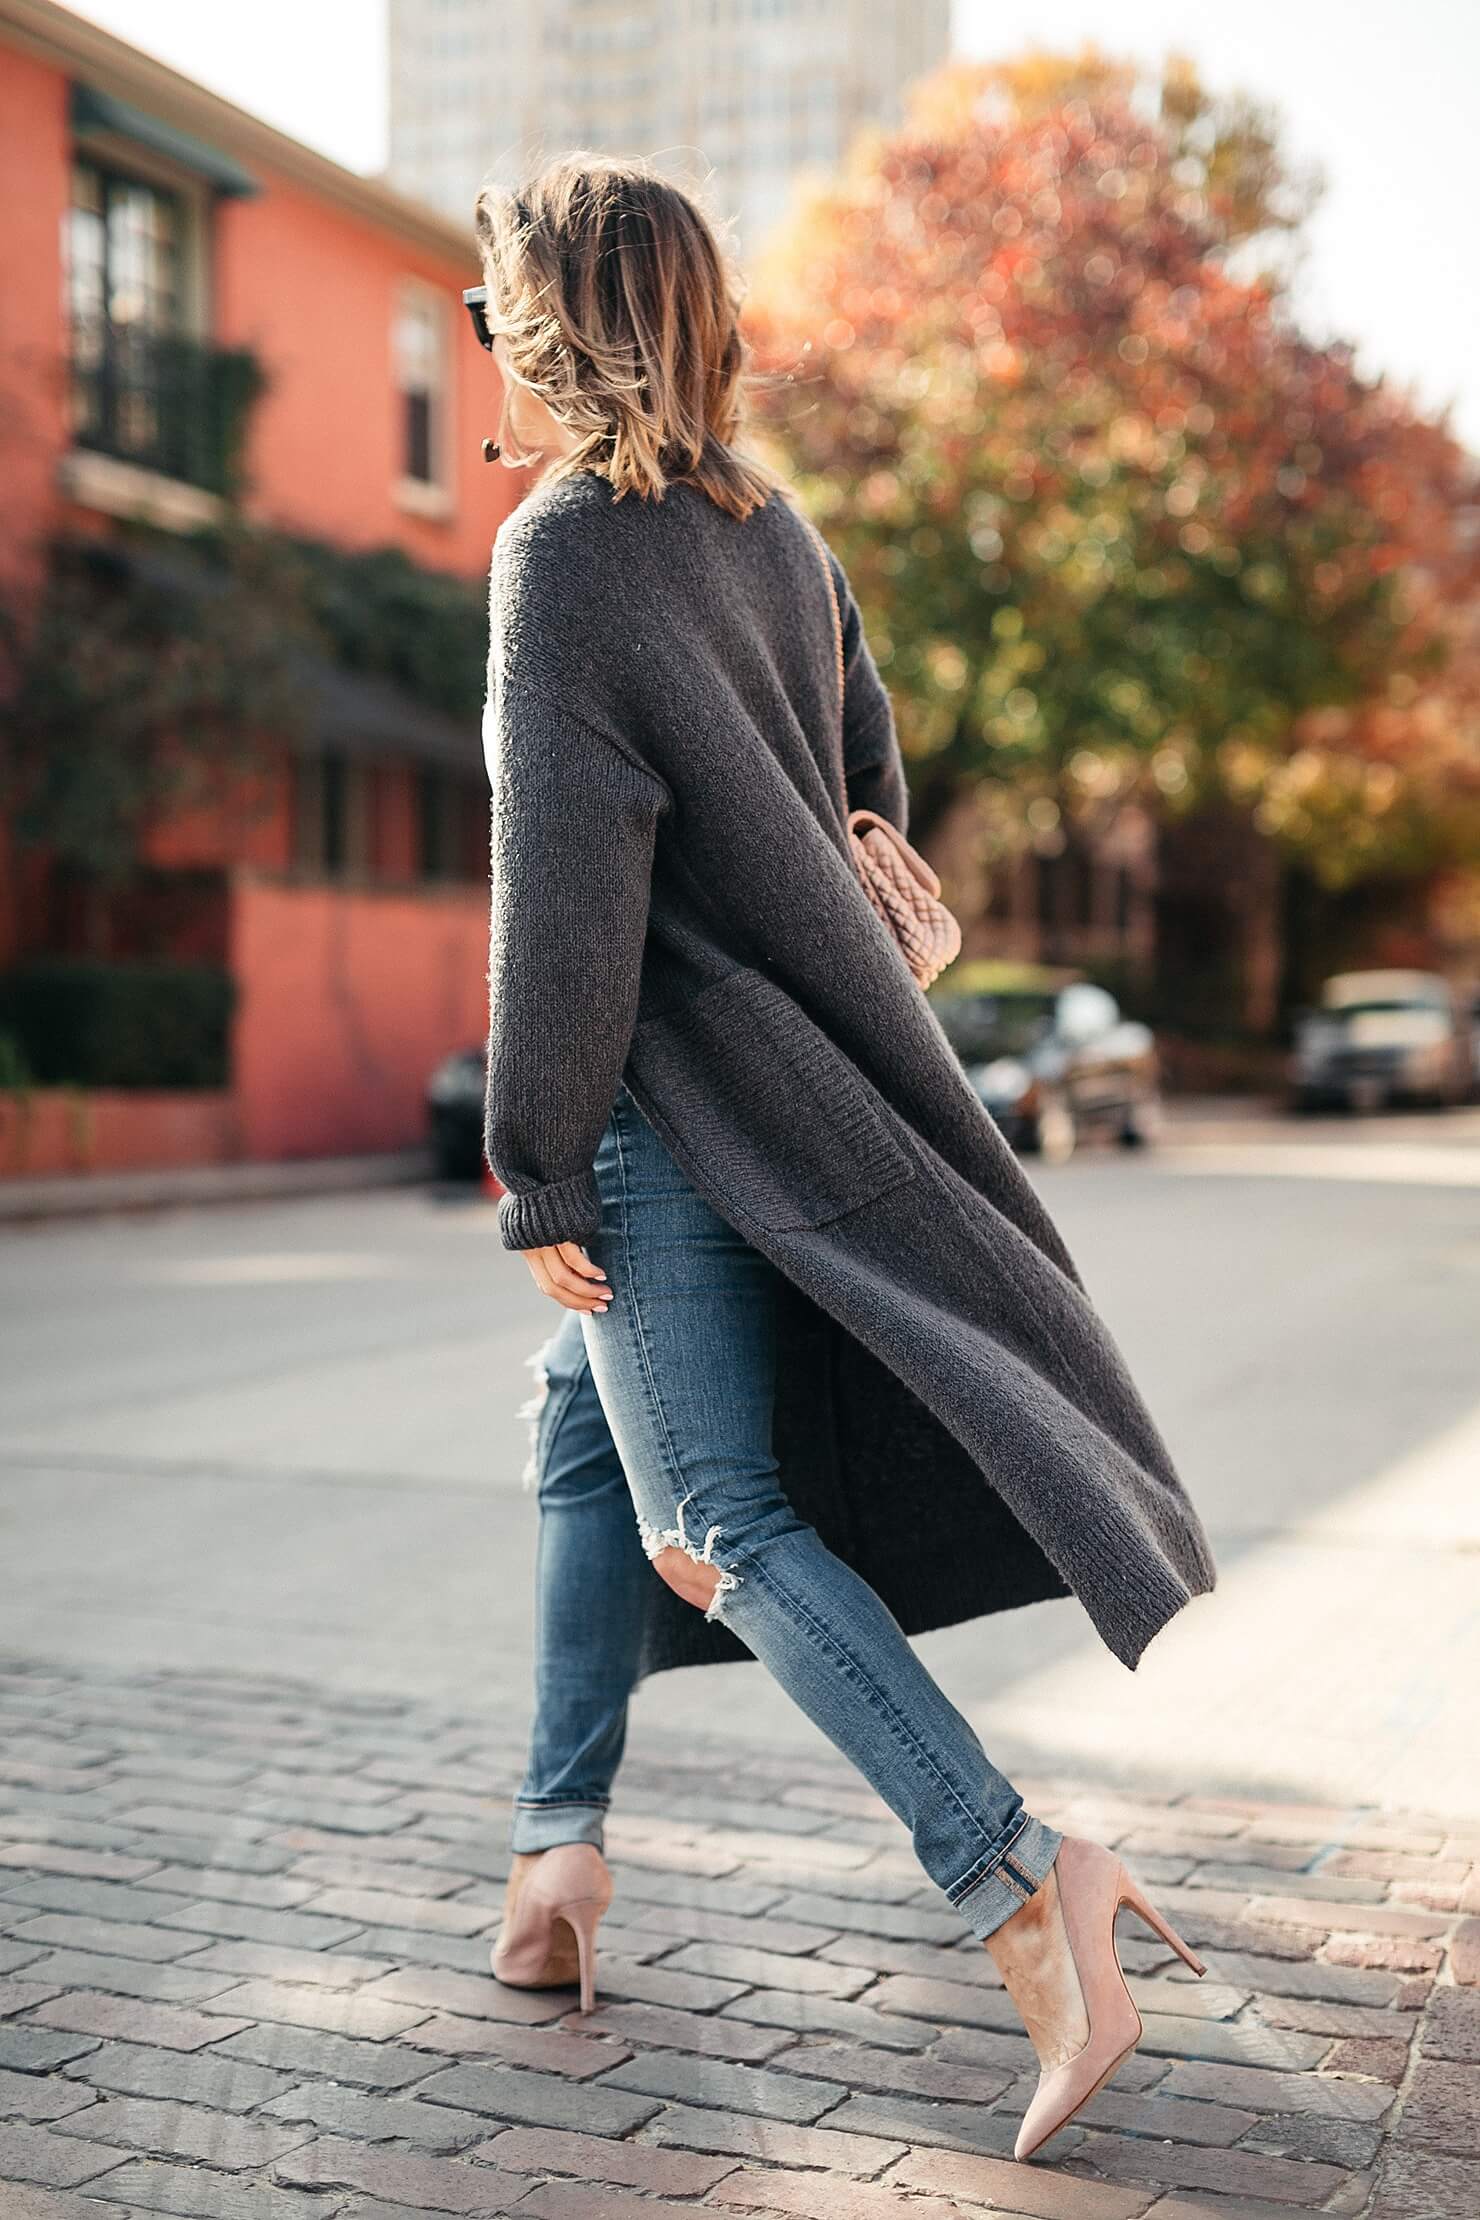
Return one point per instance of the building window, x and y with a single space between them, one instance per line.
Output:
124 287
421 381
433 845
1000 889
333 812
1125 888
147 386
451 825
1047 873
1081 886
1065 889
331 816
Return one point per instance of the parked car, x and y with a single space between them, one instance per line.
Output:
1383 1037
1050 1055
1047 1051
454 1103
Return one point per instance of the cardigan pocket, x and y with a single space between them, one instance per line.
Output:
773 1114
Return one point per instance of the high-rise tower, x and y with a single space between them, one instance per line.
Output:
742 94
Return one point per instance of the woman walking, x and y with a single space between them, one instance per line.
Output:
825 1367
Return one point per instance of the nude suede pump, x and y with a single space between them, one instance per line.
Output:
1093 1883
552 1905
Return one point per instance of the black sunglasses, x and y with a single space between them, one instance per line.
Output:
475 301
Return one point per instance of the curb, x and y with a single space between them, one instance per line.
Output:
84 1195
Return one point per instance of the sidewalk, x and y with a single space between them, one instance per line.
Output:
244 1975
89 1194
1193 1122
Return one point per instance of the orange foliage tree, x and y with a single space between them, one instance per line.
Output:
1117 528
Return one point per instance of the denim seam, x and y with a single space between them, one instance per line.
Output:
987 1865
558 1803
544 1408
671 1454
544 1429
554 1418
1018 1896
677 1477
965 1898
897 1726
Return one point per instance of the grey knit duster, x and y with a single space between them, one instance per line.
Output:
674 905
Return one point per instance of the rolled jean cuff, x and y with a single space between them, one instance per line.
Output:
1018 1870
543 1826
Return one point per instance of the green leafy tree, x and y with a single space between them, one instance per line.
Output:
137 681
147 675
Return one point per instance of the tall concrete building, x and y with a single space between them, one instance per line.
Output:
735 97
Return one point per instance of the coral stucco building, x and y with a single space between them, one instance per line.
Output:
156 240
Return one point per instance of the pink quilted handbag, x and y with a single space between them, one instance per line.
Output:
905 892
896 878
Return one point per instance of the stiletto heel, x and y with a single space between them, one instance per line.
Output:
581 1919
555 1898
1144 1909
1093 1883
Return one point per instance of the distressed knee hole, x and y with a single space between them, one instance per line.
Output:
531 1411
696 1583
691 1573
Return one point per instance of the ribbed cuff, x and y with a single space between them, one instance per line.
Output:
564 1210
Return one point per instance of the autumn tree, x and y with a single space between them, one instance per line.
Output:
1118 529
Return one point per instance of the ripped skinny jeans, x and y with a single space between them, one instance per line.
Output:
651 1429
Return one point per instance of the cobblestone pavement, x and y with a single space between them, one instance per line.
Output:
244 1975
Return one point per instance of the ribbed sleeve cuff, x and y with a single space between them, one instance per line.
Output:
565 1210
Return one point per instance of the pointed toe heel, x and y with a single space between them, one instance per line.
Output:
1093 1883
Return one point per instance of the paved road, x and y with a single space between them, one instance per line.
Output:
284 1436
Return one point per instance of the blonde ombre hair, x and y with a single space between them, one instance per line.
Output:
618 308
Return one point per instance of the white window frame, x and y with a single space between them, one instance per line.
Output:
429 497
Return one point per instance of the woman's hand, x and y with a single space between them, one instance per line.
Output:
565 1272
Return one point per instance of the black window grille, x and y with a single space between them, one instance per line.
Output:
144 389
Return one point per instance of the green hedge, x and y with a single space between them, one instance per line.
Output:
89 1024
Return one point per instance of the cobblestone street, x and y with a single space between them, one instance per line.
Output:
244 1975
739 846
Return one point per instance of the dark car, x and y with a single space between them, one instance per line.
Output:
1383 1037
1050 1055
1047 1051
454 1101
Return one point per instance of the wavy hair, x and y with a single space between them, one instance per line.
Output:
618 308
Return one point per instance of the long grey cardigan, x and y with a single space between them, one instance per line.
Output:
674 905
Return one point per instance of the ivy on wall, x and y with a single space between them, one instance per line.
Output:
140 674
383 614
